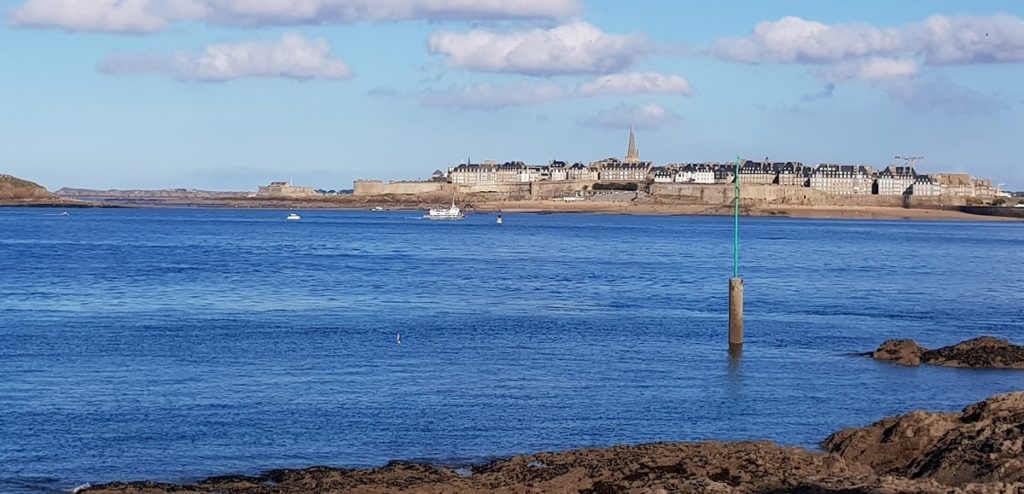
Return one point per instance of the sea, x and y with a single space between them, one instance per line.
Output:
175 344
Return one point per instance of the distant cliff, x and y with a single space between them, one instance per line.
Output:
146 195
14 189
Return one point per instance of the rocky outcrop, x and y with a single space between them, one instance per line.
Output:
16 189
977 451
982 444
983 352
905 352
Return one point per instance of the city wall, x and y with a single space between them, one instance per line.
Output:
779 195
485 192
701 194
380 187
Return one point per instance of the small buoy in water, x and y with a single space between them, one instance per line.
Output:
398 338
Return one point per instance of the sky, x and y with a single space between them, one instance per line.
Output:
230 94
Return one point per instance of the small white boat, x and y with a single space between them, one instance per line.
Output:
293 217
501 221
65 213
450 213
377 208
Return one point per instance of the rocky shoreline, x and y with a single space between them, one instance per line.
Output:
978 450
984 352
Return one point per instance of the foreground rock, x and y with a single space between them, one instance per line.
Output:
984 443
976 451
985 352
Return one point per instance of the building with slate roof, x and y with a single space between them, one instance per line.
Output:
842 179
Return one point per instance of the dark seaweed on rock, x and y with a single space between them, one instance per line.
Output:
984 352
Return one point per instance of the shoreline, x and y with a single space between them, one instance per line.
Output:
976 450
878 213
794 212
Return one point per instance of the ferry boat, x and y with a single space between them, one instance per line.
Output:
293 217
450 213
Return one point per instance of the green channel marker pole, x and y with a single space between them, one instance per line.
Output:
736 283
736 222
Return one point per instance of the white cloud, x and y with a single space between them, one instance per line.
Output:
332 11
795 40
122 16
292 57
938 40
142 16
965 40
491 96
637 83
576 47
888 58
645 116
870 70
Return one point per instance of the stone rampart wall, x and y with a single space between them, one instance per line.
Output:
704 194
771 195
379 187
559 188
368 188
413 188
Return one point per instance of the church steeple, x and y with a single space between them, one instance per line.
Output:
632 156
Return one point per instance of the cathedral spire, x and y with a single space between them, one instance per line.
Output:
632 156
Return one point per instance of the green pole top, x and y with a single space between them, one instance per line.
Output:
736 221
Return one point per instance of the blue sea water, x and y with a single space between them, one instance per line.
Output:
176 344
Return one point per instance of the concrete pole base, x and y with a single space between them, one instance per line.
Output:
735 314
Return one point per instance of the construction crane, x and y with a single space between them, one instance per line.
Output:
911 161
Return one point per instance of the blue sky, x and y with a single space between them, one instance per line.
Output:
223 94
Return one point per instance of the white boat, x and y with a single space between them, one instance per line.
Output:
500 220
377 208
294 217
450 213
